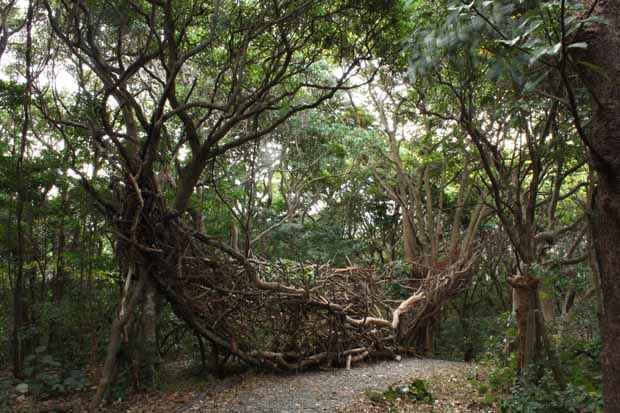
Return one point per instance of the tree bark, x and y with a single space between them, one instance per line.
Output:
529 331
150 318
603 141
606 231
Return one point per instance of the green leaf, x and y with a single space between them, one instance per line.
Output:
555 49
578 45
532 85
544 51
594 68
510 42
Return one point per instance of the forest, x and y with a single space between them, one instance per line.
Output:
201 196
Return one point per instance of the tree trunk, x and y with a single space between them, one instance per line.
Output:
592 258
603 141
547 304
409 239
529 330
606 231
124 317
19 310
150 317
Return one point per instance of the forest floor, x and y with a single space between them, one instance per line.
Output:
367 387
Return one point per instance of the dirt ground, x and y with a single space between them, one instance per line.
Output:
335 390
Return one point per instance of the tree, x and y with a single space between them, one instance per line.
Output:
518 148
438 233
603 142
166 97
18 290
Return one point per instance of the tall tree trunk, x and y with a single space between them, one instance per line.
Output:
18 287
58 284
18 290
603 141
131 296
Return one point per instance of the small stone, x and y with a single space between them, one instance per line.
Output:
22 388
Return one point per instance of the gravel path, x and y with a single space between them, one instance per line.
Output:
320 391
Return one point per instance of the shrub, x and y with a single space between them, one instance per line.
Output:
47 378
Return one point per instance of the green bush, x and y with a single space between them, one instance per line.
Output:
546 396
511 394
412 391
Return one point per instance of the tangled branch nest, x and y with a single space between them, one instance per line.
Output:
283 316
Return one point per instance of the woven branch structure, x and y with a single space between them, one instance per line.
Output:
294 316
271 315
